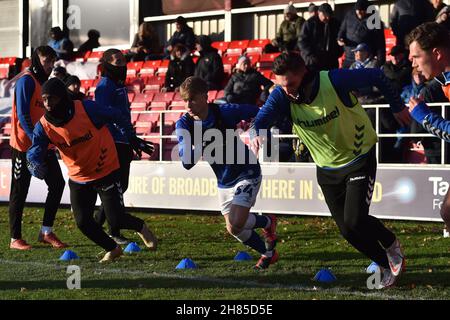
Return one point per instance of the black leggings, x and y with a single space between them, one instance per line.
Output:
125 154
83 198
348 193
20 183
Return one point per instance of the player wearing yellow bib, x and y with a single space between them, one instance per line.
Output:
328 118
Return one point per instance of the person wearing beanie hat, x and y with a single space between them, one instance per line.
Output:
209 66
288 32
183 34
355 30
244 86
318 40
78 130
26 111
312 10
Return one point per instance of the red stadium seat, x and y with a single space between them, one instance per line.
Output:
138 106
154 83
87 83
177 107
131 96
4 72
241 44
162 69
149 68
148 117
234 52
143 97
177 103
177 96
10 61
164 96
172 117
266 60
221 46
257 45
212 94
134 117
135 84
254 58
230 60
133 68
267 73
161 105
95 56
220 94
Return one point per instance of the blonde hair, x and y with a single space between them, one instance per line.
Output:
193 86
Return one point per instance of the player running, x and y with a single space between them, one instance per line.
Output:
238 181
429 46
27 109
328 118
78 129
111 91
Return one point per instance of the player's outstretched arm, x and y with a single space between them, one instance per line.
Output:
432 122
346 81
37 153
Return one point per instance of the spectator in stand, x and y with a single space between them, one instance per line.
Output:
209 66
289 31
180 68
183 34
415 88
318 40
61 44
399 69
364 60
313 10
90 44
245 84
146 45
408 14
443 17
438 5
356 29
73 85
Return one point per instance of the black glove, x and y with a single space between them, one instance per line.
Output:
140 145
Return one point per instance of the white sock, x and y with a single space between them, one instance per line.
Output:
12 240
46 230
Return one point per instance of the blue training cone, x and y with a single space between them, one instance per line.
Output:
242 256
186 264
132 247
373 267
325 275
68 255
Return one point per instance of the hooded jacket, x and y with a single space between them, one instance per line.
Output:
209 66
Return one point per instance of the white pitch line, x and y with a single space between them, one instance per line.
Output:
244 283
